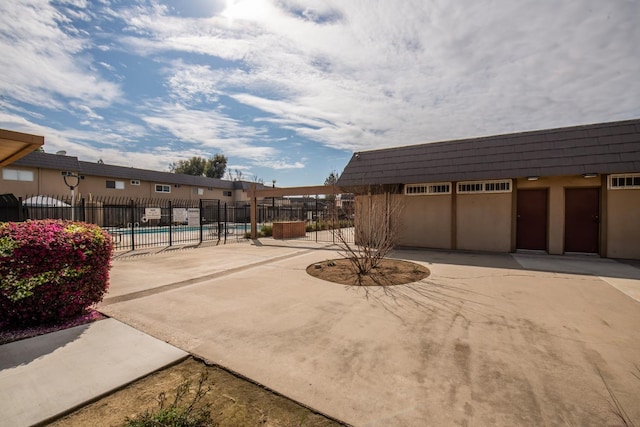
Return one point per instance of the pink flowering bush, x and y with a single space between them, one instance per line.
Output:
51 269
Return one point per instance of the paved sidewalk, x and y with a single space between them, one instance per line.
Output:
46 376
487 339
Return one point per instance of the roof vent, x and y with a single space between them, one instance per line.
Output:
61 153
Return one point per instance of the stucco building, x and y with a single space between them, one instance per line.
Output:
564 190
41 173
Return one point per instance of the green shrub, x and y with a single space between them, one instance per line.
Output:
328 225
266 230
51 270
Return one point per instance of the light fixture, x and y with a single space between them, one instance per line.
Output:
532 178
589 175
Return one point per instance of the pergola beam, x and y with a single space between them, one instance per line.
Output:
254 193
14 145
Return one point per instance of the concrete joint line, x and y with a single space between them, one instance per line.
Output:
195 280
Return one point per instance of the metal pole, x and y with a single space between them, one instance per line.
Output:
273 201
219 224
200 214
225 222
72 187
170 223
73 204
133 243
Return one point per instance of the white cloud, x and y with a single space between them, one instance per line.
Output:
208 129
248 77
90 145
358 74
88 112
279 164
43 63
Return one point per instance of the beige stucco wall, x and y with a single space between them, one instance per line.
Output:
483 222
51 183
19 188
487 221
556 187
426 221
623 223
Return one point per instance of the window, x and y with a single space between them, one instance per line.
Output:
433 188
497 187
135 182
226 193
162 188
502 186
17 175
470 187
619 182
198 191
118 185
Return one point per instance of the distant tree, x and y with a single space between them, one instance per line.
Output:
216 166
237 175
213 167
193 166
255 178
332 179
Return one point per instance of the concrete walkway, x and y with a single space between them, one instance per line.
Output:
46 376
485 340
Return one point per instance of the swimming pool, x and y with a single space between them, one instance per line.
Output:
165 229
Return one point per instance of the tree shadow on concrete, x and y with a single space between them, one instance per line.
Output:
425 295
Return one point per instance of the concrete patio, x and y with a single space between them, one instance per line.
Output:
487 339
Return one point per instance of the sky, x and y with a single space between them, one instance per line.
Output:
289 89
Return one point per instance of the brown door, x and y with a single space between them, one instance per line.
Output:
582 220
531 221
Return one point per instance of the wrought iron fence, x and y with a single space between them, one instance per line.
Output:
141 223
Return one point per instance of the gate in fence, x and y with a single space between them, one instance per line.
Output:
142 223
135 224
145 223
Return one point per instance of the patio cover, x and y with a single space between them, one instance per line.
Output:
14 145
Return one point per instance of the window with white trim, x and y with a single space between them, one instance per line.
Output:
227 193
118 185
135 182
17 175
470 187
626 181
198 191
163 188
496 186
427 188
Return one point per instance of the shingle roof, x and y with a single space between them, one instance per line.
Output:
38 159
599 148
72 164
111 171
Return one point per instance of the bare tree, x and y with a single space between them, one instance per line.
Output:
377 226
236 175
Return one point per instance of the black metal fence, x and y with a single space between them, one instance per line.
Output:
141 223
